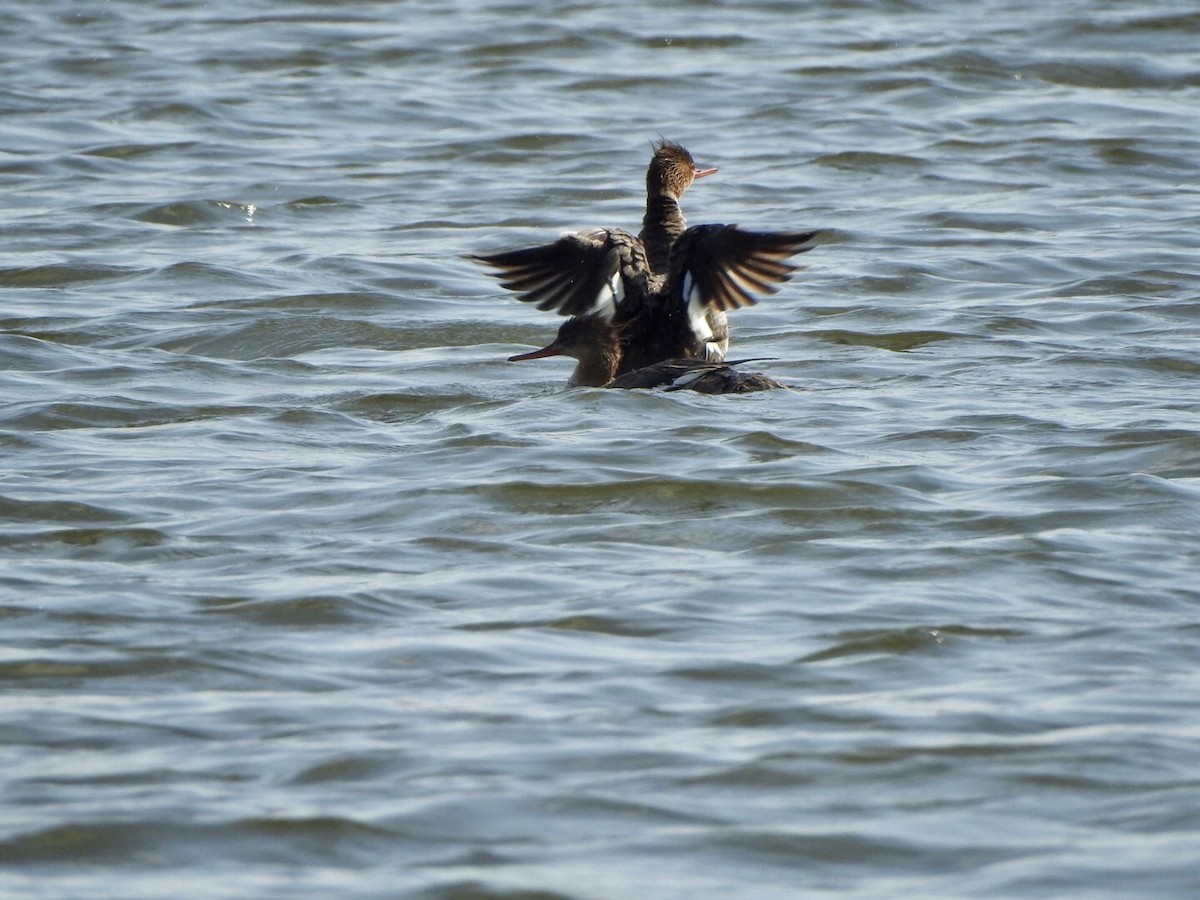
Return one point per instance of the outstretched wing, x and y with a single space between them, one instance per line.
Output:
722 267
578 274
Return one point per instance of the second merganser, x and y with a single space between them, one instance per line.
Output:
595 343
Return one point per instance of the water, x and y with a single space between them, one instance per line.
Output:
306 591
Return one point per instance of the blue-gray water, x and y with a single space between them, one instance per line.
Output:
305 591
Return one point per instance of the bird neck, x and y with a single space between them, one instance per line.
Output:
597 367
662 224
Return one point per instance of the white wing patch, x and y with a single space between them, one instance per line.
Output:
613 290
607 300
697 310
687 378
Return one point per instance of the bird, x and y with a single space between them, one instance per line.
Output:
667 289
595 343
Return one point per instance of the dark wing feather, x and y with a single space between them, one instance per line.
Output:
696 374
726 266
660 374
726 380
573 276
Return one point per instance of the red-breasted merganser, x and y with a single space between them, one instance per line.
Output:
666 290
595 342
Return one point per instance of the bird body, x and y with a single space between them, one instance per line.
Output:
594 342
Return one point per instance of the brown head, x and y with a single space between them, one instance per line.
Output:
592 340
672 170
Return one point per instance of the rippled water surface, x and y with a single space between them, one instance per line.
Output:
305 591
